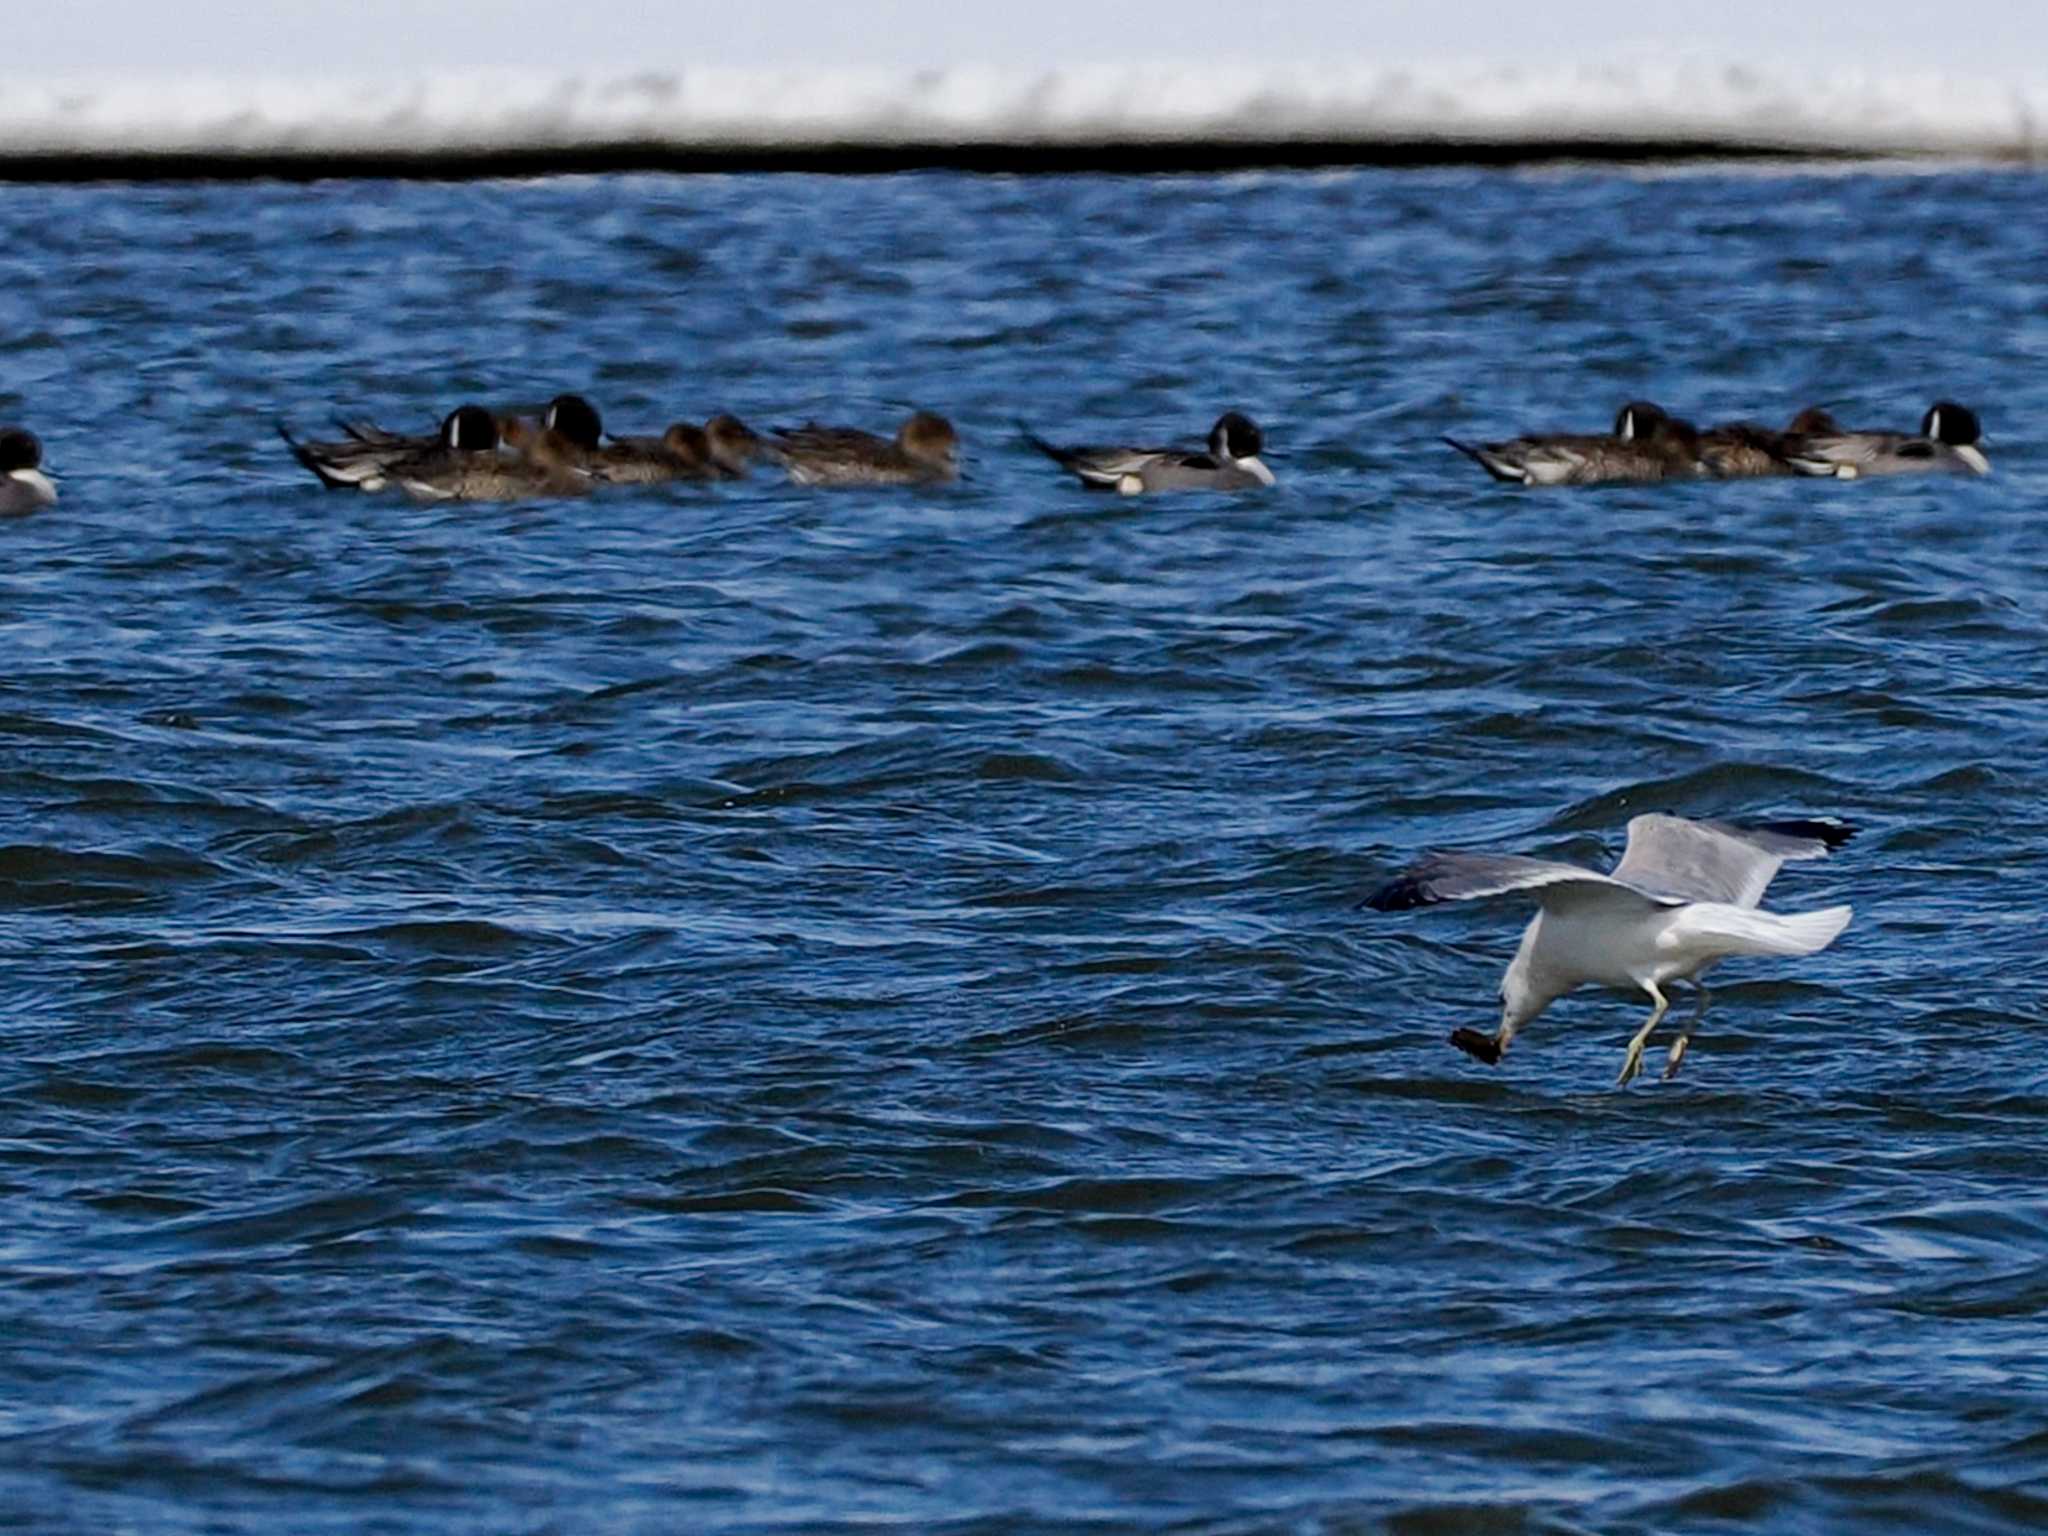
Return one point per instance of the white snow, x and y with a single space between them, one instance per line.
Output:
1862 109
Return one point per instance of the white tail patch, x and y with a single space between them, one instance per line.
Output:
1714 928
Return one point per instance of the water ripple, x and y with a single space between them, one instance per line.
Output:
754 1010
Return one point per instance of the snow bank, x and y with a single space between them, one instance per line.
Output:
695 111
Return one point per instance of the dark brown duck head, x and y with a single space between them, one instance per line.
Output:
930 439
1639 421
1813 422
1235 436
470 429
1956 425
1650 425
553 449
576 419
734 445
23 485
688 446
19 449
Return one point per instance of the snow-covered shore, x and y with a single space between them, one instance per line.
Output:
1699 105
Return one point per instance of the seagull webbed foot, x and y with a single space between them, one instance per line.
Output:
1684 1039
1631 1064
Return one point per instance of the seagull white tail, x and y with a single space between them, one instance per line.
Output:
1729 930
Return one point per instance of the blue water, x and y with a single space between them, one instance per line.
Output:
766 1010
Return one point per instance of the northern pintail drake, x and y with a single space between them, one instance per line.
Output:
1647 444
1948 443
363 458
23 485
1231 462
1743 450
925 451
361 461
576 419
466 465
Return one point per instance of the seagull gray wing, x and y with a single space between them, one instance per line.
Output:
1718 860
1468 876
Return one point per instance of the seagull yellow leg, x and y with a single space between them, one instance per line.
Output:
1633 1062
1685 1035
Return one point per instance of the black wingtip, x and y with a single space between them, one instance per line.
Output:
1828 830
1402 894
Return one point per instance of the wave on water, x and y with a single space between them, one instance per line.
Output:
1699 104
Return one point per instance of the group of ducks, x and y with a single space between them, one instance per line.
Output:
482 455
1647 443
1685 894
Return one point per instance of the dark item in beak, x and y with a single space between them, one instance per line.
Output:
1473 1043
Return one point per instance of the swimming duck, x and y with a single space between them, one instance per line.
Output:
925 451
465 465
361 461
576 419
734 445
1948 444
1230 463
683 452
1743 450
1647 444
363 458
23 485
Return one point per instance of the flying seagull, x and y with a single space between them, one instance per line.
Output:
1683 896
